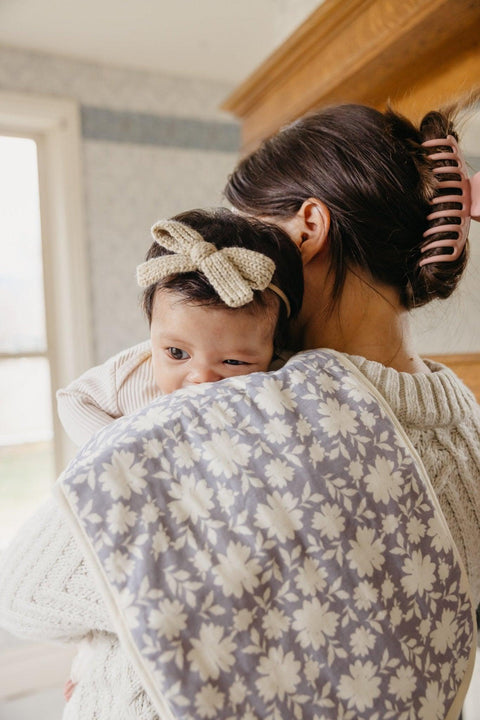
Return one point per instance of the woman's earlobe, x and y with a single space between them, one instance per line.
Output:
316 225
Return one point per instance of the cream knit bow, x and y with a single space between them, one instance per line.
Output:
233 272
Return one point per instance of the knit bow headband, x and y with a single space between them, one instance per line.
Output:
233 272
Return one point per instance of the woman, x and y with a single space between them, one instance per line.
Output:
352 188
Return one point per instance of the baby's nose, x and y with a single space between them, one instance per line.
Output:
202 374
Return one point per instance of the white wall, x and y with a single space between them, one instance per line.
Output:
153 145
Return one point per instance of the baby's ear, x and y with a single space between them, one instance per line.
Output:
314 225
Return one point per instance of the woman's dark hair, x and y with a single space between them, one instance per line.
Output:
375 178
223 229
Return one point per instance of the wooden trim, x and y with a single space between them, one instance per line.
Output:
417 53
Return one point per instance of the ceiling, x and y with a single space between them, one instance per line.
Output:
222 40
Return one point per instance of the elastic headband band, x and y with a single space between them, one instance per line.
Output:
233 272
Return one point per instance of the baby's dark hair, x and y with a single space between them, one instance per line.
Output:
223 229
374 176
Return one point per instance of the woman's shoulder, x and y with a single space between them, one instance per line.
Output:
435 399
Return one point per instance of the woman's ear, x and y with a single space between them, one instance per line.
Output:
313 225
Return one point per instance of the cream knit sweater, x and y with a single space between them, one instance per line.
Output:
46 592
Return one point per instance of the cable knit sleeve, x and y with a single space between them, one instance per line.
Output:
46 591
48 594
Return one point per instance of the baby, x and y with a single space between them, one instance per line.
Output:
220 290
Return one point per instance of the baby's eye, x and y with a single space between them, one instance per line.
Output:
235 362
177 353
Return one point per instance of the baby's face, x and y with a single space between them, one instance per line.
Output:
194 344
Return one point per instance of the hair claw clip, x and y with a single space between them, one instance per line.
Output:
466 194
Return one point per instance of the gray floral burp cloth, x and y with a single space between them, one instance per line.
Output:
270 548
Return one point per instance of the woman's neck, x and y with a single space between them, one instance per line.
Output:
368 320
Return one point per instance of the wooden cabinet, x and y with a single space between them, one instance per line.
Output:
417 53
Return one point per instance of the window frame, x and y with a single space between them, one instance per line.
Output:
55 125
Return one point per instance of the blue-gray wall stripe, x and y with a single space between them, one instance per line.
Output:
164 131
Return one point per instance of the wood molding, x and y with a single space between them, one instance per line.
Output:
416 53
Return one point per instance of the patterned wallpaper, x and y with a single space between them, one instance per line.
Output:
153 146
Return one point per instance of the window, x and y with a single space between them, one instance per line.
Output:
27 457
45 338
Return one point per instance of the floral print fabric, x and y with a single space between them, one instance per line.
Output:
271 549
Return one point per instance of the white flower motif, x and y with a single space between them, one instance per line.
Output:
390 524
275 623
237 692
160 543
355 470
311 578
314 623
118 566
123 475
337 419
436 530
242 619
415 530
312 671
279 472
303 428
297 377
203 561
185 454
280 518
152 448
219 415
368 419
280 674
327 383
365 595
225 454
330 521
209 701
274 398
147 420
356 391
419 574
168 620
120 518
192 499
366 554
211 652
403 684
388 588
150 513
316 452
433 703
277 431
236 572
424 628
444 632
362 641
226 497
383 482
361 687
